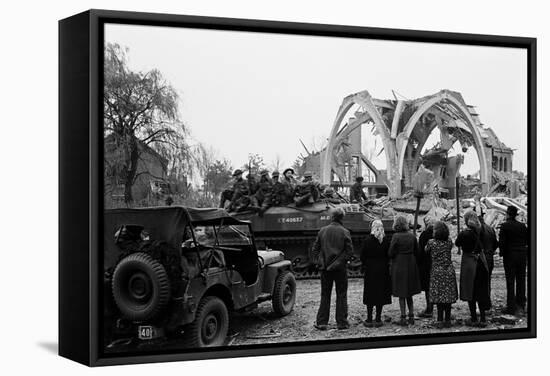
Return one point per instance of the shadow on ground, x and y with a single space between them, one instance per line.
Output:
51 347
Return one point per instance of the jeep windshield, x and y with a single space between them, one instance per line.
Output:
233 235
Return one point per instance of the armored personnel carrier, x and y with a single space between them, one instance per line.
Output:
294 229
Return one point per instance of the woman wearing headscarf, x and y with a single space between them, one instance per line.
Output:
404 271
474 270
442 288
375 262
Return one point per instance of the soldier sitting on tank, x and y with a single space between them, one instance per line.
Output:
263 194
329 195
356 193
306 192
277 190
289 185
225 198
240 200
253 187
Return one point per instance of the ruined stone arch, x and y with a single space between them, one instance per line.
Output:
371 113
397 138
404 136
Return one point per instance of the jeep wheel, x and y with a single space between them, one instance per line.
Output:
210 326
140 285
284 293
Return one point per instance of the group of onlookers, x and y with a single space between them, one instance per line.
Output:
405 266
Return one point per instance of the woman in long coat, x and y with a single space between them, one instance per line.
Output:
443 290
474 270
375 262
404 271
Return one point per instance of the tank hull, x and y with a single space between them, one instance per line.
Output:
293 230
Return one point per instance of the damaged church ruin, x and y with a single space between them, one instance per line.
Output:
404 127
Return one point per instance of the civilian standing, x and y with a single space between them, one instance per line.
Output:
377 283
404 271
424 265
332 250
514 240
474 271
443 289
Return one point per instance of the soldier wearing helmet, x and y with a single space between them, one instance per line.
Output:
289 185
328 194
306 192
226 198
240 200
263 194
277 190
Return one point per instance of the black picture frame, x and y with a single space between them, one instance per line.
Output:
80 181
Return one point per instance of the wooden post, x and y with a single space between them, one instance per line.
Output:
418 198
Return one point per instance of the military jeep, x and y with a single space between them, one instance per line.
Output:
176 272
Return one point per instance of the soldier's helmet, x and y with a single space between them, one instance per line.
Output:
275 173
264 173
287 170
308 174
359 179
329 191
238 172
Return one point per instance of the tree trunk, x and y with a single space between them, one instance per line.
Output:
130 172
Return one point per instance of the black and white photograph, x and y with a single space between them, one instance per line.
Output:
264 188
274 188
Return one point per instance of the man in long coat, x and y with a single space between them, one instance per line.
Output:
513 244
331 252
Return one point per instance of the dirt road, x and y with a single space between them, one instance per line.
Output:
261 326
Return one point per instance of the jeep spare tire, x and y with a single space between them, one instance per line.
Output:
284 293
141 288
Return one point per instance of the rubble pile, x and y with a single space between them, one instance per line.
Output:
493 207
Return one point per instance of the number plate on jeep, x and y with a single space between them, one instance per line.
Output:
146 332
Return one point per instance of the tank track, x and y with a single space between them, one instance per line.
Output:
297 249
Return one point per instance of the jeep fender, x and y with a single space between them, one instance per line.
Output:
195 292
271 272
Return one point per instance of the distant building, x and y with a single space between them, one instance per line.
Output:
151 175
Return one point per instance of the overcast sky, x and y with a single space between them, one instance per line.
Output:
244 92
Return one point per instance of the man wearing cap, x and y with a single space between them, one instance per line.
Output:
277 190
356 193
289 185
513 244
332 250
307 191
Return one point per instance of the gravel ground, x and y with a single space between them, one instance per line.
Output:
261 325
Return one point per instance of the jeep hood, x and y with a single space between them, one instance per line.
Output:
270 257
